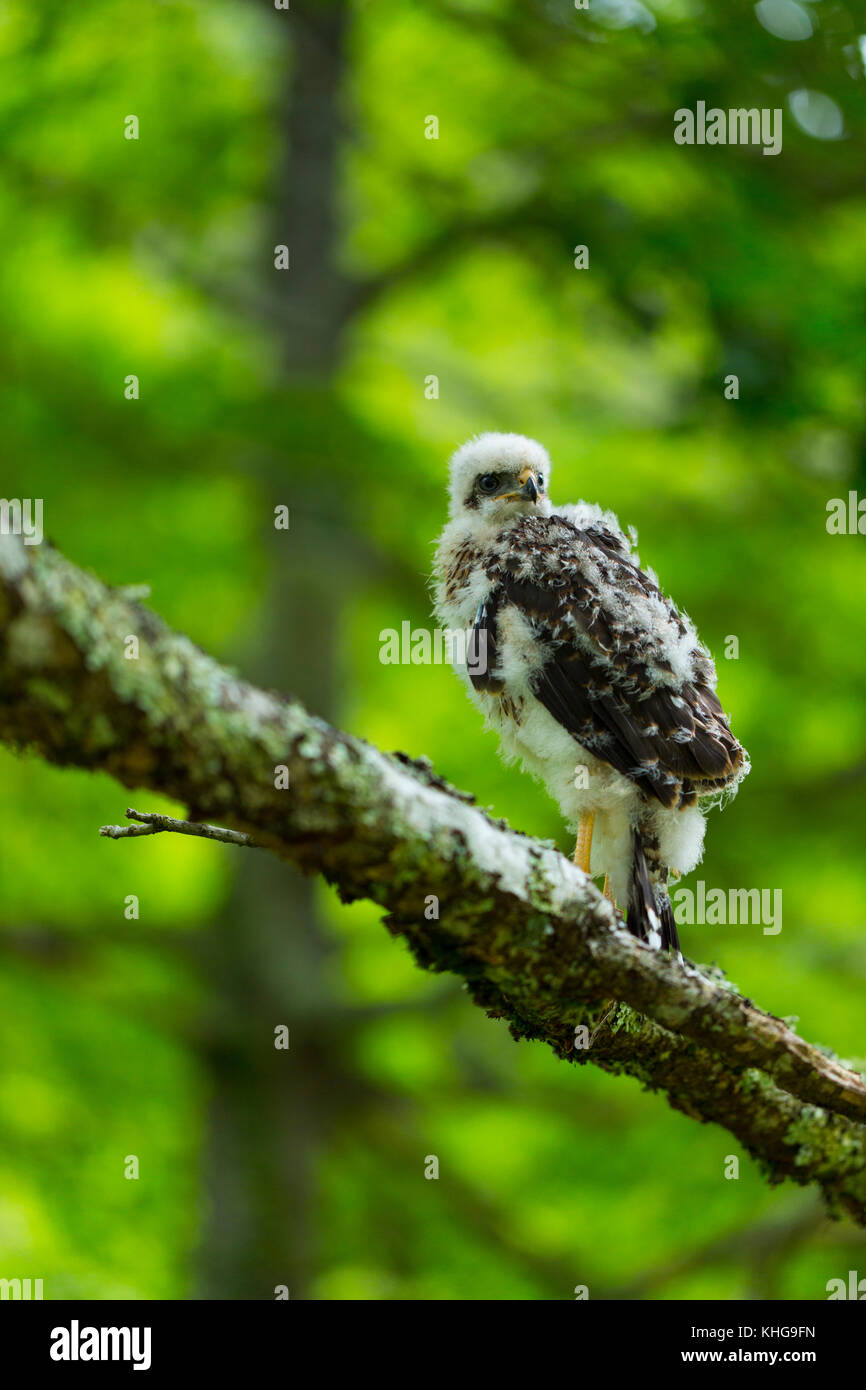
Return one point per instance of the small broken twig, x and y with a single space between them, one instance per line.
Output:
152 823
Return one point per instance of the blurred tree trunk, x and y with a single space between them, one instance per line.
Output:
269 950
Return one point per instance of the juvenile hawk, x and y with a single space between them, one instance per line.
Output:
593 679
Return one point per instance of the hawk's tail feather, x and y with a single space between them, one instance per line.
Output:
650 914
670 935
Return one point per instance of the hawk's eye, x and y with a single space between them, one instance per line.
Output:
488 482
540 482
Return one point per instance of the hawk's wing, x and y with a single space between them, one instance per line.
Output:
620 670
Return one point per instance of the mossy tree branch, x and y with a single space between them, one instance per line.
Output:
531 936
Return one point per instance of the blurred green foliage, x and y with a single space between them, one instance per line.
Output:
153 257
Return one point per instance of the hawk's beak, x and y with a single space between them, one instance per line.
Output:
527 492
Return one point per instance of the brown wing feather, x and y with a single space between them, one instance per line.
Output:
671 740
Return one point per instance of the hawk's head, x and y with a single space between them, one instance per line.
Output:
499 477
